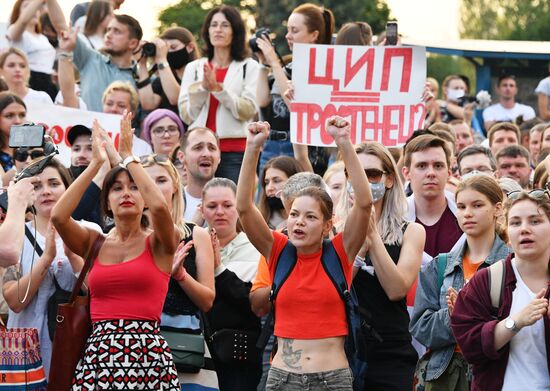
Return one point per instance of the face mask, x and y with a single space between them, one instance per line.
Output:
274 203
76 170
178 58
378 190
455 95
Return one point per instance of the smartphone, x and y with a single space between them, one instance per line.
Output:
27 136
391 33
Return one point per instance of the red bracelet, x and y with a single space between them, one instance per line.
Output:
180 275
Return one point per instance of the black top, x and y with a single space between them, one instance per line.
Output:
156 85
277 112
177 302
389 319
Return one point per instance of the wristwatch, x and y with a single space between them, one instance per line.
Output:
510 324
162 65
128 160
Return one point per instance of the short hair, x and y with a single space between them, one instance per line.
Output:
513 151
354 33
460 122
185 138
219 182
444 131
134 28
239 49
503 126
505 77
123 86
426 141
476 150
538 128
300 181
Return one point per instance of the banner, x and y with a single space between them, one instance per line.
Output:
60 119
377 88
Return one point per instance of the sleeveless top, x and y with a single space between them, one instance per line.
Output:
177 302
133 289
389 319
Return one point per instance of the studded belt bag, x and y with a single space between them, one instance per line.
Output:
235 346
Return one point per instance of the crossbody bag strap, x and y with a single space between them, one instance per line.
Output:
92 254
32 241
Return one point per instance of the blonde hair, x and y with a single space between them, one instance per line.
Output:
124 86
177 196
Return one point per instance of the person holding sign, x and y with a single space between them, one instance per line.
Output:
310 337
308 23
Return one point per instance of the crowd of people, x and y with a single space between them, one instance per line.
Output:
211 221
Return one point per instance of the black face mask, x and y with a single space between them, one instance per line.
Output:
178 58
275 203
76 170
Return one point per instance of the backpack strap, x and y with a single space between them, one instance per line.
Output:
496 282
441 266
333 268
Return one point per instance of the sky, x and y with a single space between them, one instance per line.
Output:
421 19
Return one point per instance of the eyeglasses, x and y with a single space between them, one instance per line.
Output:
537 194
153 159
22 154
374 175
160 131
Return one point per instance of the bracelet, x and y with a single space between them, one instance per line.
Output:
65 55
181 274
143 83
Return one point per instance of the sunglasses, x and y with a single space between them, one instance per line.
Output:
537 194
22 154
153 159
374 175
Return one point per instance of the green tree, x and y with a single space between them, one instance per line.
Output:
506 19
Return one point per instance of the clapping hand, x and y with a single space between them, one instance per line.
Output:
178 268
126 135
216 247
452 294
98 144
209 82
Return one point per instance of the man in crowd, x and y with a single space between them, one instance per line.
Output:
501 135
200 155
507 109
97 70
513 162
535 142
476 158
80 140
463 134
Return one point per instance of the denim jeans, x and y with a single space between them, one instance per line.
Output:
336 380
274 148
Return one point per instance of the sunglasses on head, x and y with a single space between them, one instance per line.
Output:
22 154
537 194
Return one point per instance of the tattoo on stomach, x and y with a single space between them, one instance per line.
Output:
291 358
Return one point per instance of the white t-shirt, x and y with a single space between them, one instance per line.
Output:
498 112
544 88
191 205
141 147
527 367
39 50
37 97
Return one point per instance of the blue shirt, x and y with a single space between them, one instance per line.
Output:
96 73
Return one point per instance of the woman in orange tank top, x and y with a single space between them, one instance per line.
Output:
311 351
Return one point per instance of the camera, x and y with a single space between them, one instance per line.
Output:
148 49
262 32
27 136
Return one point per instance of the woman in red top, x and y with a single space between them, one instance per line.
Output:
129 278
311 320
219 91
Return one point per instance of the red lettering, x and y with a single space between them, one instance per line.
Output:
373 125
351 70
57 134
300 109
405 73
388 125
413 110
327 79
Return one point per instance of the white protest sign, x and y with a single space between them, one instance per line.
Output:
60 119
377 88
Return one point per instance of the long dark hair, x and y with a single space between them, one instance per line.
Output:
239 49
6 99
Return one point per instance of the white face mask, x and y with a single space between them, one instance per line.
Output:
455 95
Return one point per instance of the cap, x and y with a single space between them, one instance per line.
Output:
77 130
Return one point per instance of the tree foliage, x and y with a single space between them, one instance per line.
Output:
273 14
506 19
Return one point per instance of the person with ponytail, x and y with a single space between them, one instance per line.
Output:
479 205
308 23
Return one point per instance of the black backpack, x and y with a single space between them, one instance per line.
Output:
355 345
